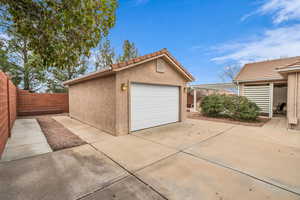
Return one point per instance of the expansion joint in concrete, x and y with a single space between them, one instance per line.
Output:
244 173
130 173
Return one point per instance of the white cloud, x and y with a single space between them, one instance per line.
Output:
276 43
281 10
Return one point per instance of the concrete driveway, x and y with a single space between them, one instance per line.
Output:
192 160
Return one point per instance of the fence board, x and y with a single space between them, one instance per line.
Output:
42 103
8 112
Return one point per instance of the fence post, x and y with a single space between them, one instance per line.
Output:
8 106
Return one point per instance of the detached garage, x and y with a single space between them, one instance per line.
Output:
145 92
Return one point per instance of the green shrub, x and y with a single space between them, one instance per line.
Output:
213 105
235 107
243 109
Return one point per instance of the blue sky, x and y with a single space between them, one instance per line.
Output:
205 35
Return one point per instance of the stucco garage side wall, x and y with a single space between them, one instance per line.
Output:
93 102
145 73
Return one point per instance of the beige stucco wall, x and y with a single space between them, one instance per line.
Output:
93 102
101 103
293 106
145 73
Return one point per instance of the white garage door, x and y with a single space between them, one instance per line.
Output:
153 105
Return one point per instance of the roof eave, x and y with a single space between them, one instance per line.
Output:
89 77
189 76
179 68
114 68
289 69
258 80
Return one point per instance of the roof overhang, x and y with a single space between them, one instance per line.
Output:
112 70
97 74
187 75
180 69
257 80
295 68
287 70
215 86
280 66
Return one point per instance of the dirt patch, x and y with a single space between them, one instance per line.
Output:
57 135
260 122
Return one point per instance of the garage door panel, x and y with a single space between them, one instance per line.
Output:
153 105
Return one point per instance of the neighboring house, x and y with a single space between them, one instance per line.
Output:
144 92
274 86
197 92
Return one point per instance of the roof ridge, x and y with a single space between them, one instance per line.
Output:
277 59
149 56
137 59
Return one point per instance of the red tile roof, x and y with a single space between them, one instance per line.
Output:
148 56
133 62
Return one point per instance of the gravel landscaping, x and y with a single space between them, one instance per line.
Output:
57 135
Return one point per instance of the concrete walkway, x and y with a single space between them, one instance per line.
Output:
192 160
249 160
87 133
277 123
27 140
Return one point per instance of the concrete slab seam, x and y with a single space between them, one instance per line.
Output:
153 141
131 173
220 133
241 172
104 187
164 158
211 137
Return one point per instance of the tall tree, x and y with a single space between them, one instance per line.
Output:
105 57
60 32
58 76
24 67
129 51
8 67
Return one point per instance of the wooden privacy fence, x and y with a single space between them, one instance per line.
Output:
8 108
15 102
41 103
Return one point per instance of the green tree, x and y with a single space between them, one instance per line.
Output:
9 68
4 57
6 65
60 32
129 51
33 74
23 66
58 76
105 57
